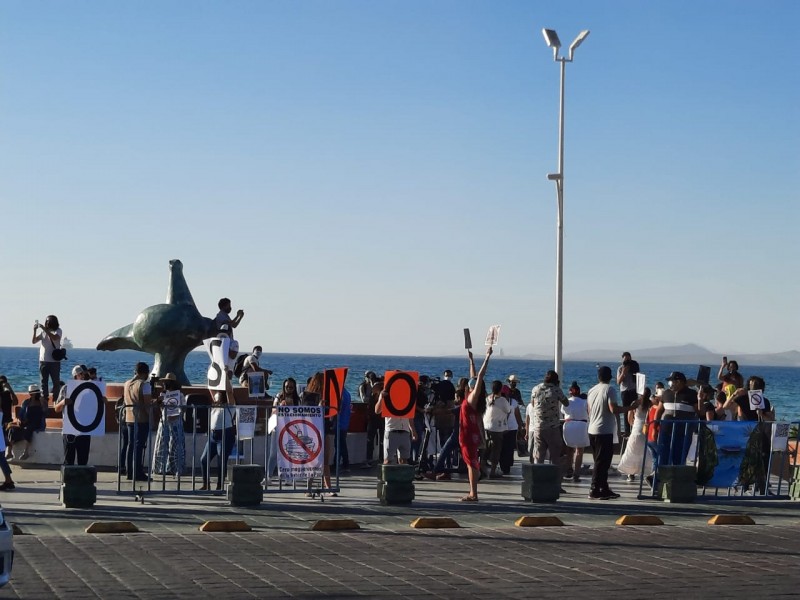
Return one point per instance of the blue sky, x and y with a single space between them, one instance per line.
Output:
370 177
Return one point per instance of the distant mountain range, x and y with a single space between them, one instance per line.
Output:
691 354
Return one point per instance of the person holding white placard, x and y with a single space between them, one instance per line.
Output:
170 447
74 445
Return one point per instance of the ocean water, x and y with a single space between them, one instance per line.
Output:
20 365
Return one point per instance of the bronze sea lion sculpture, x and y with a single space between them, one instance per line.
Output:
169 331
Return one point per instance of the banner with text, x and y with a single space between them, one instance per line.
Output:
301 441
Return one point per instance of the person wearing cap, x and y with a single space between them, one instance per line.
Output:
224 316
516 394
169 456
74 445
603 411
678 403
28 421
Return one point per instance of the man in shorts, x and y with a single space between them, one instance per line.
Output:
397 437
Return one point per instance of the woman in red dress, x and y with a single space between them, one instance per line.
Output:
469 434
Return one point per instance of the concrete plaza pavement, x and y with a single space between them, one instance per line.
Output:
486 557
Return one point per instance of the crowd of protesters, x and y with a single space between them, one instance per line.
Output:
467 425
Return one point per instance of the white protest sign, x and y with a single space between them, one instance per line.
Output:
255 385
301 441
85 409
172 401
641 382
492 336
780 437
756 399
245 422
217 349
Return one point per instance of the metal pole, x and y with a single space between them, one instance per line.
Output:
560 231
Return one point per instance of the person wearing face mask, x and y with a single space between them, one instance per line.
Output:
251 364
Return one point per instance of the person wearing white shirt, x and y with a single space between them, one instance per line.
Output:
576 436
49 366
495 423
514 432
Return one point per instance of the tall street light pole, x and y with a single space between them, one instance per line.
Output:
551 37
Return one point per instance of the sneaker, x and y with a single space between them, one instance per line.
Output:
8 485
630 478
609 495
576 479
593 495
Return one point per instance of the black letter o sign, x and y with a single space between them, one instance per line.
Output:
101 406
401 402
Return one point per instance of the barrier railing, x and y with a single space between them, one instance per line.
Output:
158 452
732 457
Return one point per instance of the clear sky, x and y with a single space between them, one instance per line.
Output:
370 177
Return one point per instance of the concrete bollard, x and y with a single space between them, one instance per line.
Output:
396 485
77 486
245 488
677 483
541 483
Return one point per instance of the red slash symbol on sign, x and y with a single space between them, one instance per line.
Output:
300 447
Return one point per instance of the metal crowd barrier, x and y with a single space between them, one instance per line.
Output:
189 476
686 441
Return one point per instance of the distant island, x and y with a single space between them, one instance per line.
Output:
690 354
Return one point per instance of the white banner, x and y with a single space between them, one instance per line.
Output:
780 437
641 383
217 349
245 422
85 410
301 441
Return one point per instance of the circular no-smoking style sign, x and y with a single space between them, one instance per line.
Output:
300 442
91 390
756 399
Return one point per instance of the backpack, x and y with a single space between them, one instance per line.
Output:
238 366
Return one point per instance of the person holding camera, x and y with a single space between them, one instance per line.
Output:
48 336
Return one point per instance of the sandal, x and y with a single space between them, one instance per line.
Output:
469 499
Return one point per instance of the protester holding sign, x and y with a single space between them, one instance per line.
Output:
399 433
469 437
221 436
170 449
74 444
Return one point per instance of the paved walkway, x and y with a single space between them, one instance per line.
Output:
487 557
